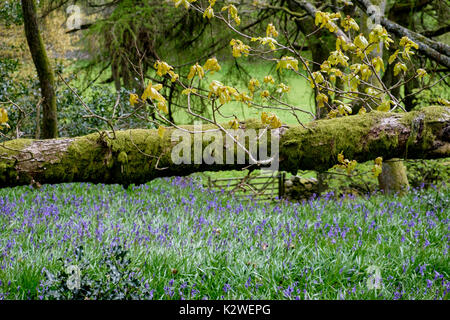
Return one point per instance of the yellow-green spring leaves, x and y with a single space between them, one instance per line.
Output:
378 63
340 42
188 91
253 84
349 23
326 19
380 34
265 94
224 93
420 73
266 40
270 119
342 109
377 167
345 164
209 13
185 3
162 68
271 31
233 12
133 99
196 70
234 124
407 44
212 65
3 118
269 79
318 78
399 67
239 48
287 63
282 88
385 106
393 56
161 131
363 69
152 92
361 42
338 57
244 98
321 100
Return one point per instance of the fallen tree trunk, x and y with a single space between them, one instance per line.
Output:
137 156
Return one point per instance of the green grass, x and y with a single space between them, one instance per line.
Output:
300 94
184 239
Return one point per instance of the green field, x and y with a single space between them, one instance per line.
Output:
300 94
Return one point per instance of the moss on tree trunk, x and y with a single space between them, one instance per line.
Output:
137 156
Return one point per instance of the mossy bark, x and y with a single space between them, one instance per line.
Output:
393 178
137 156
49 126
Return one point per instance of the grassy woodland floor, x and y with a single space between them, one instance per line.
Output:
183 241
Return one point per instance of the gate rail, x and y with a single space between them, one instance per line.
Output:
262 187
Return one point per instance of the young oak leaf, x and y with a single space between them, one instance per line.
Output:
196 70
162 105
271 31
252 85
378 63
212 65
161 131
421 73
209 13
185 3
233 13
349 23
3 118
399 67
162 68
133 98
239 48
271 119
152 92
287 62
188 91
268 79
385 106
234 124
283 88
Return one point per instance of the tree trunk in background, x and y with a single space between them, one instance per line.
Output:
49 127
138 156
393 178
402 13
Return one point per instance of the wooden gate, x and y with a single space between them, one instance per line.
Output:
257 187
